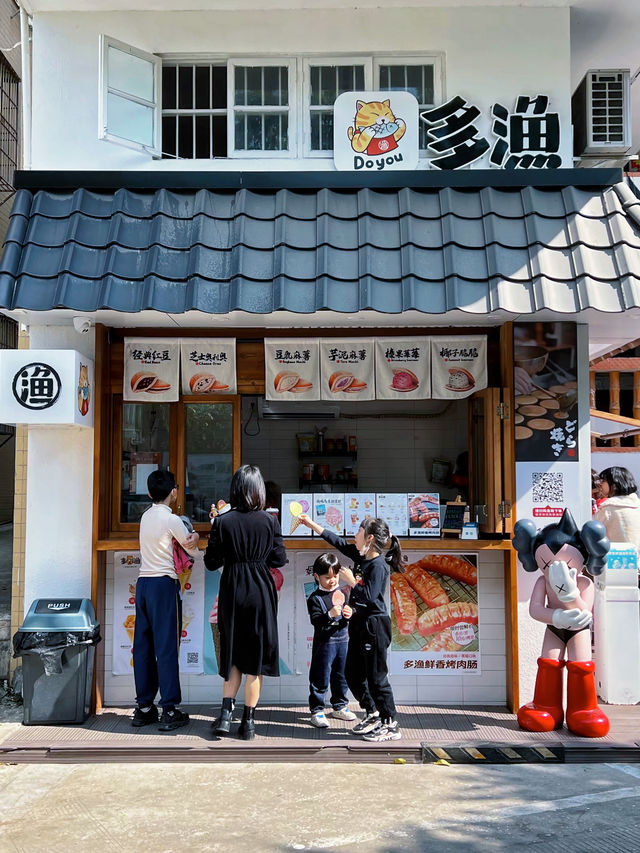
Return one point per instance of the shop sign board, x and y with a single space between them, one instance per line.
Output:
428 638
458 366
375 131
151 370
347 369
546 392
525 137
208 366
403 369
292 370
46 387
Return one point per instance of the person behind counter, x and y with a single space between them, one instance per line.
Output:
247 542
370 626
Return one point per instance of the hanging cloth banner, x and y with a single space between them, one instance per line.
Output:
208 366
403 369
347 369
151 369
458 366
291 369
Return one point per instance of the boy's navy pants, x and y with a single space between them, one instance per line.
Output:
156 641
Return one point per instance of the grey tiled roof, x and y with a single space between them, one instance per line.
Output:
519 250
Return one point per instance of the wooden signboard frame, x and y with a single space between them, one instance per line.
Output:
452 516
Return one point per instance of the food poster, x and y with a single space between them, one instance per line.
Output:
424 514
192 592
328 510
356 509
291 525
393 508
434 615
347 369
458 366
208 366
546 392
285 587
292 370
126 567
151 370
403 368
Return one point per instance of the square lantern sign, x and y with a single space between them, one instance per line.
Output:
46 387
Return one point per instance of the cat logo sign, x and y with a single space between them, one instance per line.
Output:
375 131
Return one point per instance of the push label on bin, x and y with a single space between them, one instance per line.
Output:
48 605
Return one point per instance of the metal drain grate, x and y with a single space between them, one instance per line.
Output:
493 753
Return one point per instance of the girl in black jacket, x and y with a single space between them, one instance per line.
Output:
370 626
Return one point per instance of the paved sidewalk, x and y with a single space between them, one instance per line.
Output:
284 734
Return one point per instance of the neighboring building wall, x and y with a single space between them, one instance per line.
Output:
490 54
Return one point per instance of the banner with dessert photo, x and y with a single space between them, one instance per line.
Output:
458 366
347 369
126 566
208 366
403 369
192 635
151 370
292 369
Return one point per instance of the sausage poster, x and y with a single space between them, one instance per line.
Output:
434 616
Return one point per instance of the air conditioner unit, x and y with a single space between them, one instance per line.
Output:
276 410
601 114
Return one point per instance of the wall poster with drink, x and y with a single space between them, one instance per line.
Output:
434 616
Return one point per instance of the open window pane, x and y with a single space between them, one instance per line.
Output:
130 74
145 447
209 454
130 120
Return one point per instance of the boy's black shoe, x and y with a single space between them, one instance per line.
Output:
173 719
144 718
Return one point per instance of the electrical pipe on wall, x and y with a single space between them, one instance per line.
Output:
26 87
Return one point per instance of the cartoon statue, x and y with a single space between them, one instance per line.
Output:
84 389
563 600
377 130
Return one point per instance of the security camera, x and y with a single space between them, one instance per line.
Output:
82 325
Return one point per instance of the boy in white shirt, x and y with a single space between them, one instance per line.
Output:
156 639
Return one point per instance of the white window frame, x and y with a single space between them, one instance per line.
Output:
307 63
292 111
416 59
104 90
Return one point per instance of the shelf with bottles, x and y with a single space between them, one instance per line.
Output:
329 454
313 485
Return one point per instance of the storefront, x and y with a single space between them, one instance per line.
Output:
275 264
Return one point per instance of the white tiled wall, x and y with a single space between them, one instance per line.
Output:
394 453
487 687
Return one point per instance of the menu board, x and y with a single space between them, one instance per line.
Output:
292 526
356 508
328 510
392 508
424 514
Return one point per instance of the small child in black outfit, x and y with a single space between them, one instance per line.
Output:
329 613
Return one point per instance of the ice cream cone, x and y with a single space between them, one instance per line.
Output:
183 577
295 523
130 626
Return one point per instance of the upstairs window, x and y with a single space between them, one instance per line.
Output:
326 82
194 111
263 119
415 77
129 104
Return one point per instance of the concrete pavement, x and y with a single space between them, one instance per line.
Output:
272 808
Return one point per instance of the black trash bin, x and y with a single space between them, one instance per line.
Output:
57 644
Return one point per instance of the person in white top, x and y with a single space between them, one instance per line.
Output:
620 509
156 639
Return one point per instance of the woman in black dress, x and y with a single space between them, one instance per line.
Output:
247 542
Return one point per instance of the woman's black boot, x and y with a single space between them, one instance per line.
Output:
222 725
247 727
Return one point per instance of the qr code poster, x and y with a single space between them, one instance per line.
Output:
545 489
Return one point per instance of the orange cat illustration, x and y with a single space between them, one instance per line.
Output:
377 130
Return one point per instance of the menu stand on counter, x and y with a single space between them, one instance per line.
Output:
454 518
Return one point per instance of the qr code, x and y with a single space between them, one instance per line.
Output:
547 488
193 657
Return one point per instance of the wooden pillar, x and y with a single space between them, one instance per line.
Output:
614 400
636 403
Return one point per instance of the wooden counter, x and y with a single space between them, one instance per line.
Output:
300 544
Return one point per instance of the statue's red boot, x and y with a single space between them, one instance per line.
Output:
584 718
545 713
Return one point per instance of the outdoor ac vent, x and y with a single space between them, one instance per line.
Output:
296 411
600 112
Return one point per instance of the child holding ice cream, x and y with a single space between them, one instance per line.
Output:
369 626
